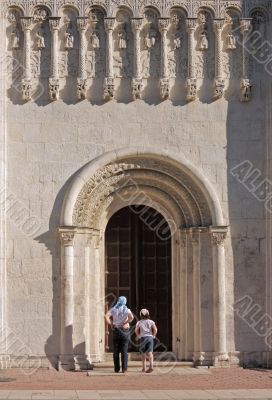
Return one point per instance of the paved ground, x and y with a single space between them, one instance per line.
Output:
184 383
137 395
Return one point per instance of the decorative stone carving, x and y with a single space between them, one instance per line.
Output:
54 88
26 82
109 88
40 35
164 83
15 38
245 84
245 90
151 37
82 24
67 236
191 83
40 15
69 37
122 38
137 82
203 41
218 237
231 41
219 82
54 23
95 40
109 80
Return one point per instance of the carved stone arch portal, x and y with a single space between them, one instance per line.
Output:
183 196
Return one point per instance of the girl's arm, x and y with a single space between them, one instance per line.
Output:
154 330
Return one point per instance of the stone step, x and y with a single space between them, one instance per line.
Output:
135 356
135 365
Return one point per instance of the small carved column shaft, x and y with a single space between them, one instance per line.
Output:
54 23
191 79
82 24
219 83
245 84
218 236
26 82
109 80
195 238
67 298
163 26
137 83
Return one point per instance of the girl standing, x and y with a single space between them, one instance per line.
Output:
146 331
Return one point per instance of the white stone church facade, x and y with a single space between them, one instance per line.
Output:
109 107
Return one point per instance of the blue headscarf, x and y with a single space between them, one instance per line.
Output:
121 304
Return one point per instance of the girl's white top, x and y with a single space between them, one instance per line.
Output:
145 326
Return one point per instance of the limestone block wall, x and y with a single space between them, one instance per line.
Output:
49 141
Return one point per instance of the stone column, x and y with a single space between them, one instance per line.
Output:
191 85
109 80
164 82
219 83
182 305
82 25
196 246
26 81
54 23
218 235
137 81
66 360
245 84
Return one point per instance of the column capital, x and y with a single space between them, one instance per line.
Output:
218 234
54 23
26 23
245 25
163 24
191 24
218 24
109 23
136 24
82 23
67 235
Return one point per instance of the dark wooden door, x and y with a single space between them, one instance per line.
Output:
138 266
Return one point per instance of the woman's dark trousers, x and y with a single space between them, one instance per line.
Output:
120 345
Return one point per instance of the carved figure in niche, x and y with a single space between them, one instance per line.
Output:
150 39
11 17
122 38
69 37
204 43
231 41
178 39
15 35
40 15
95 40
40 34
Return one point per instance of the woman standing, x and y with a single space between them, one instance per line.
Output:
146 330
119 317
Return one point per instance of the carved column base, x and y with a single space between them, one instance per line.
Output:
164 87
109 88
245 90
54 88
26 89
221 360
66 362
137 87
81 88
199 358
219 86
191 89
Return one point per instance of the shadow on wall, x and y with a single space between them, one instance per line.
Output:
246 143
51 241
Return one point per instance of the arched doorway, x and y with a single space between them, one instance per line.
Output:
138 266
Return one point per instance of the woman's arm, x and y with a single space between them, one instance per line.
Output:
108 318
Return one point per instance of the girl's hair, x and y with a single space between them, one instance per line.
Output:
144 316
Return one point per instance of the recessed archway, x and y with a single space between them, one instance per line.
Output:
186 200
